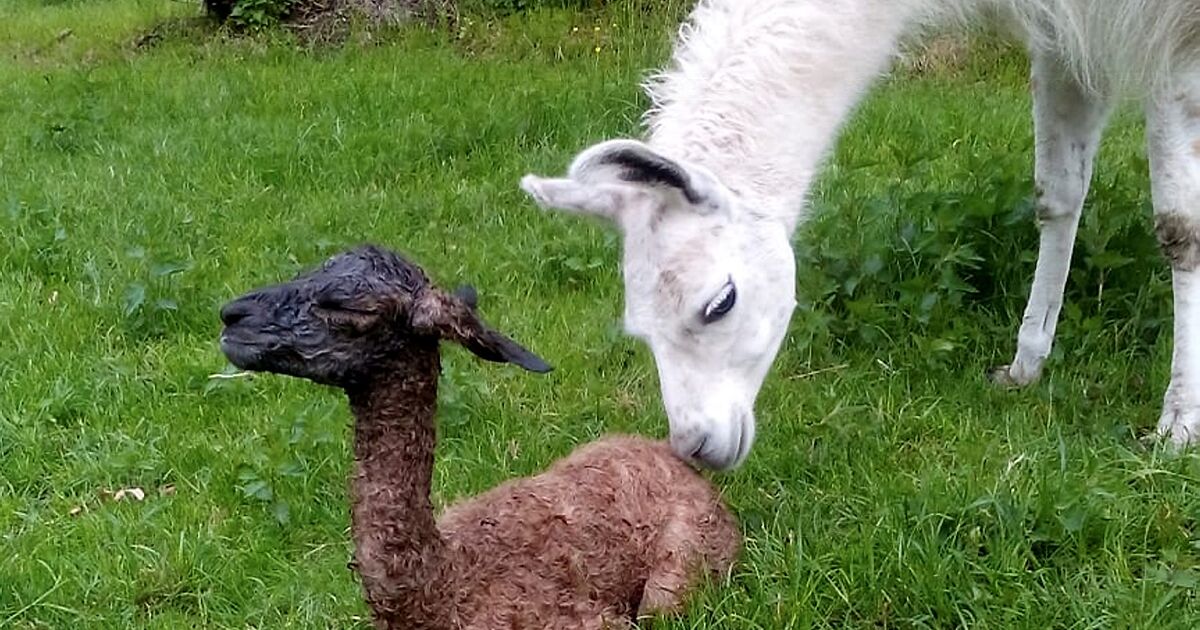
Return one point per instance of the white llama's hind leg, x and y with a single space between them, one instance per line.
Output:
1173 140
1067 123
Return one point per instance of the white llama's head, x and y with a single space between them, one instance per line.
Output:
709 285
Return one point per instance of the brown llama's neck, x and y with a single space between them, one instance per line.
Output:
400 555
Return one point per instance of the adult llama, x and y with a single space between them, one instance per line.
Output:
748 108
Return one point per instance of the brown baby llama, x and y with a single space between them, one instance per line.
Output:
620 527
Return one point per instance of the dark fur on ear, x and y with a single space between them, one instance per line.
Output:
647 167
452 318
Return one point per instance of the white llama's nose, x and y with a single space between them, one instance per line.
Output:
715 443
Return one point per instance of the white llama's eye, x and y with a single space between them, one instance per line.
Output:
721 304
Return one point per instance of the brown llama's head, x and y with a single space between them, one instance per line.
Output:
359 312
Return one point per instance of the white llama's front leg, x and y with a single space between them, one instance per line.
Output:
1173 139
1067 123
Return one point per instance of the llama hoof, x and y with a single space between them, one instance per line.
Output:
1008 377
1180 424
1000 377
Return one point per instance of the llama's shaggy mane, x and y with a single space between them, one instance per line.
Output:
741 73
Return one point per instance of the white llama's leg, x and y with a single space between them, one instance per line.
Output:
1067 124
1173 140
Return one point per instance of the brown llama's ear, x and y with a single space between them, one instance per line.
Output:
453 318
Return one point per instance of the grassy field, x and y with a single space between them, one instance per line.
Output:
143 185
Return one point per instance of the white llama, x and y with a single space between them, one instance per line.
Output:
742 119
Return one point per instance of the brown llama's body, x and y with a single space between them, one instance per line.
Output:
622 525
619 527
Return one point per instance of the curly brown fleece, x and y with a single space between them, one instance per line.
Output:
618 528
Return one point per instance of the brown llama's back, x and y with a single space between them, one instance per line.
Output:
618 527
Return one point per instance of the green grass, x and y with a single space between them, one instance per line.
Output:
142 187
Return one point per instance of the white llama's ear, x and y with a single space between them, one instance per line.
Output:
568 194
606 178
634 163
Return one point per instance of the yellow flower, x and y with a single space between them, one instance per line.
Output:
597 50
596 29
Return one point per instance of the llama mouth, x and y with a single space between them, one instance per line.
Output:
712 460
710 455
242 353
744 441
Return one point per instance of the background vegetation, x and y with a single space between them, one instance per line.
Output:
151 168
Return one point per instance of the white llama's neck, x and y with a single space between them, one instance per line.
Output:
758 89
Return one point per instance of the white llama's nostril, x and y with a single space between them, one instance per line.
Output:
715 451
689 444
726 448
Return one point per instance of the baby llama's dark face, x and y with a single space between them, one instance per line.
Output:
330 325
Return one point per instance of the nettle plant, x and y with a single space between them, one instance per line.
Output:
940 269
149 303
248 14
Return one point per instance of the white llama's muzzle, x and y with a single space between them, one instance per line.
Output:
711 418
714 442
